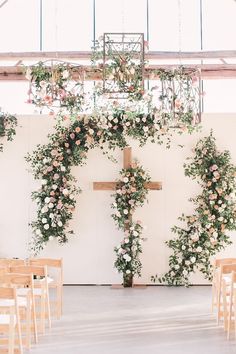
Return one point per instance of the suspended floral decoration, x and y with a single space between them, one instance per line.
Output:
56 86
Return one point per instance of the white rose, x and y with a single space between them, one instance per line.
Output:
50 205
59 224
183 247
199 249
115 120
193 259
44 209
137 119
44 220
128 271
144 119
145 129
51 215
135 233
43 182
125 211
63 168
54 186
176 266
127 124
47 200
187 263
110 117
220 218
45 160
65 192
215 234
126 240
65 74
120 251
125 179
185 272
46 226
91 131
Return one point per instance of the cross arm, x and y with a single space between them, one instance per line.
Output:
111 186
104 186
154 186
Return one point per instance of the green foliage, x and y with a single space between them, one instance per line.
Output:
204 233
8 124
130 194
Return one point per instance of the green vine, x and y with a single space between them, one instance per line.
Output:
204 233
8 124
130 194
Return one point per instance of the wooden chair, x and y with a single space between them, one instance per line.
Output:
229 302
11 262
27 304
216 279
57 282
40 293
10 319
224 290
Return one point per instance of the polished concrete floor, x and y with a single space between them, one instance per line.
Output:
155 320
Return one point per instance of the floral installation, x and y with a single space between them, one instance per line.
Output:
83 121
179 95
122 65
204 233
130 194
8 124
55 86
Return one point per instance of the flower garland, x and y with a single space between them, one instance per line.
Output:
8 124
130 194
204 233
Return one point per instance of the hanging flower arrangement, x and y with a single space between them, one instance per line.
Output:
56 86
121 59
205 231
8 124
130 194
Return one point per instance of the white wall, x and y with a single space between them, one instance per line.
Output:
89 256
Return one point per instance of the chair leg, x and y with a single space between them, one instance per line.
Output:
11 335
28 325
48 309
42 313
59 301
34 321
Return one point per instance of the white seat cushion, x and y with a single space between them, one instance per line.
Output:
10 302
5 320
24 291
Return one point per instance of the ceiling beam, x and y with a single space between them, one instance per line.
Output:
208 71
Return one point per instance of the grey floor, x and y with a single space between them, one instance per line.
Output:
155 320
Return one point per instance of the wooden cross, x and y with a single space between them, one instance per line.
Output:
111 186
127 163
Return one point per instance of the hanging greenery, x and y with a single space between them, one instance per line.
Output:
56 85
130 194
205 231
8 124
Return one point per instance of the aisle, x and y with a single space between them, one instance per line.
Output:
158 320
